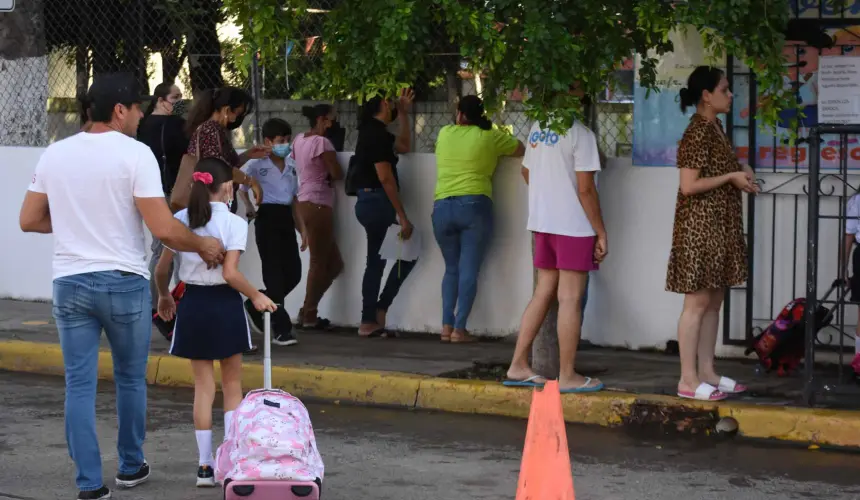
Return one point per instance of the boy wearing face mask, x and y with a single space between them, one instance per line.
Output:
275 227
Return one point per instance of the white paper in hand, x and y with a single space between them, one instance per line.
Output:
393 248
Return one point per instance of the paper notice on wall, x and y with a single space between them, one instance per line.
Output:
839 90
395 248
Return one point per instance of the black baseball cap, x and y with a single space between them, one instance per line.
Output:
110 89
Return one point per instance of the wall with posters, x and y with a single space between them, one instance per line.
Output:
774 151
658 123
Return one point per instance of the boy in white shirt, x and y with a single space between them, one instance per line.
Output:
570 241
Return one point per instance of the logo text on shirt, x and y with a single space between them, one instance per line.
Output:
546 136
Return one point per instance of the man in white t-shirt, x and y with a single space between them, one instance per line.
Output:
93 192
570 241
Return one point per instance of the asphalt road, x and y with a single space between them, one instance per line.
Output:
398 455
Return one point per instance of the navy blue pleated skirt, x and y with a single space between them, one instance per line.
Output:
210 324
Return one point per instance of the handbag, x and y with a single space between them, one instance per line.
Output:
351 177
181 192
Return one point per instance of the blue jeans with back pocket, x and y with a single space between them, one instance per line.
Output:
376 214
463 226
118 303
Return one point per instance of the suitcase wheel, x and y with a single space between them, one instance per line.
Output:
244 490
302 491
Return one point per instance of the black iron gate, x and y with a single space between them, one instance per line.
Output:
779 222
775 224
816 383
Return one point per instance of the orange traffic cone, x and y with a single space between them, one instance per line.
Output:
545 471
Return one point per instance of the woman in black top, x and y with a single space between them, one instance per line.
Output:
164 133
379 206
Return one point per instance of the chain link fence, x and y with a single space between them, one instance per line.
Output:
54 47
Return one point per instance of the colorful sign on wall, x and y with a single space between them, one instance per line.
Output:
659 123
774 150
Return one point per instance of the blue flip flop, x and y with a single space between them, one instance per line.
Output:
529 382
584 388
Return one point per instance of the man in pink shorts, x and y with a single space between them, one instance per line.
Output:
570 241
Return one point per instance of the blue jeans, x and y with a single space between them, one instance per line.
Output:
119 303
376 214
463 226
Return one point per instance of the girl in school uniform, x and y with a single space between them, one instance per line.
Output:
210 320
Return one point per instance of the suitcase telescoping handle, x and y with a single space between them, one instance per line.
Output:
267 351
837 283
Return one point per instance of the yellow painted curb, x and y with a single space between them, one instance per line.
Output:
365 387
606 408
805 425
47 359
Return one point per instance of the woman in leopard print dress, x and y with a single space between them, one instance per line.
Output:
708 248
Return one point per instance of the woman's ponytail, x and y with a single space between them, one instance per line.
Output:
484 123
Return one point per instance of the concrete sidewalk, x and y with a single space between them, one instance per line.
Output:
418 371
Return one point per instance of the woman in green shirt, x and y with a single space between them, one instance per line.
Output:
466 158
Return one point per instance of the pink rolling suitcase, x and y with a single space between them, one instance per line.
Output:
269 452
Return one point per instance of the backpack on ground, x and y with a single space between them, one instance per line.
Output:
782 345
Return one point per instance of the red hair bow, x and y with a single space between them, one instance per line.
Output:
204 177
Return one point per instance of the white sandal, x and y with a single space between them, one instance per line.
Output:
705 392
729 386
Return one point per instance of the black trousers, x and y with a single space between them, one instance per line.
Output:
279 254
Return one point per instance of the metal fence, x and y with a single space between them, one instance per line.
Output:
54 47
822 387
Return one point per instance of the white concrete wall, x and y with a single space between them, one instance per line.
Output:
627 305
504 290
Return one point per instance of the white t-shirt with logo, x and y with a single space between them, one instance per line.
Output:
552 161
228 228
91 181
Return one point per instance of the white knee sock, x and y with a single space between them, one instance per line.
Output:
204 447
228 421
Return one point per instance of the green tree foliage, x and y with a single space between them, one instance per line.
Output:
540 46
119 35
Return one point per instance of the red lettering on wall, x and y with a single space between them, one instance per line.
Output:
801 154
828 153
764 151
